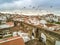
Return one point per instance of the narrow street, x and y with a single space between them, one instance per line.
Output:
34 42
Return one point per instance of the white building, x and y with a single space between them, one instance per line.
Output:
43 21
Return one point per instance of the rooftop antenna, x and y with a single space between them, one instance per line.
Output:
51 8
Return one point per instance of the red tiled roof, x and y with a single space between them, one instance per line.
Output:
10 23
17 41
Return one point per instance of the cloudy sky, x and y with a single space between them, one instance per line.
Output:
30 4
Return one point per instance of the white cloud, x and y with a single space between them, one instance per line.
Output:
16 4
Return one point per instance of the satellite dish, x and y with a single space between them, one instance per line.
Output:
29 5
24 7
